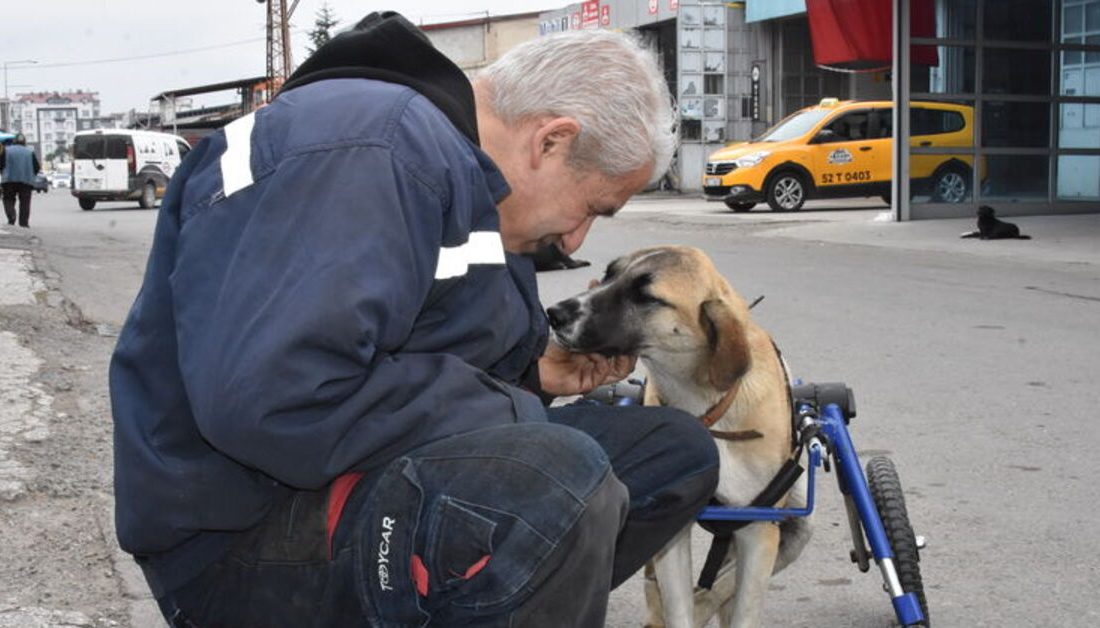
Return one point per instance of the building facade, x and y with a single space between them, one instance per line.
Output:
1029 68
475 43
50 119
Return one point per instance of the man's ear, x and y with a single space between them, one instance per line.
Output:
553 138
729 356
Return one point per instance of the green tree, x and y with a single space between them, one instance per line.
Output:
325 22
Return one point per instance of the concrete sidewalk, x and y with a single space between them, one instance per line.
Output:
1071 239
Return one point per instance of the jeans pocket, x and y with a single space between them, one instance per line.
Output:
460 543
482 560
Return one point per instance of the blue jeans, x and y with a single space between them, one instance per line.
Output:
519 525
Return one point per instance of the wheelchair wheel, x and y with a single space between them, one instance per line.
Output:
882 479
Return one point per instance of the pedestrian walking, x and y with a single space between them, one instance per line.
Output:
18 168
330 394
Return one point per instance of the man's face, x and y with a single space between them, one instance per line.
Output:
556 204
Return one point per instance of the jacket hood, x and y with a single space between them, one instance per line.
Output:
387 47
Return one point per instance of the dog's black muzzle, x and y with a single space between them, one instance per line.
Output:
563 314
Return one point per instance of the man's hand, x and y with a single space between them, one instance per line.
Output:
562 372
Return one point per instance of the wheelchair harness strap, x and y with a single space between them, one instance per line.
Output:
723 530
784 479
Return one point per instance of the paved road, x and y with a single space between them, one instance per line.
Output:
973 368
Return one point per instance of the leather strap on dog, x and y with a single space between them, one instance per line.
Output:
735 436
717 410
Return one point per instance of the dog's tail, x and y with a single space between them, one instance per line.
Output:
794 533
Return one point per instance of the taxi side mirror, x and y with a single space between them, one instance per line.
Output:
824 136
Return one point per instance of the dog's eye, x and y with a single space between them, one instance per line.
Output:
641 297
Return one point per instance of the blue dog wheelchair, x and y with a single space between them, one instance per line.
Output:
874 501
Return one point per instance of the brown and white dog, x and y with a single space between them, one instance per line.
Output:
704 355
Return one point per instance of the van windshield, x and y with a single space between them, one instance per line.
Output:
100 146
794 126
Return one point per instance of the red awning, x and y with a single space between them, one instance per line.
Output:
857 35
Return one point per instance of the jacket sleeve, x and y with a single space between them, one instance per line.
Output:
34 159
298 369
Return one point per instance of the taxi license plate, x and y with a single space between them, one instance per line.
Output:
713 182
91 184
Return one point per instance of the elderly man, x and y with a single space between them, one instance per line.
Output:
327 394
18 167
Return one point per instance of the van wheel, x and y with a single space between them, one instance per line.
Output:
148 195
951 185
786 192
86 203
740 206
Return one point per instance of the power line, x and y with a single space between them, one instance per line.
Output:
41 66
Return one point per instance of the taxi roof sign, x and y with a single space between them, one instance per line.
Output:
830 102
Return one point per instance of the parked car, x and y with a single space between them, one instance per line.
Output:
844 149
41 183
61 180
121 164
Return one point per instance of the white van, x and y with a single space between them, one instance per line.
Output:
123 164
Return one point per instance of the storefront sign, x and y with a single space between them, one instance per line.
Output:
590 14
754 105
653 7
575 21
673 5
605 15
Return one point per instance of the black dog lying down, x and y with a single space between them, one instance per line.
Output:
992 228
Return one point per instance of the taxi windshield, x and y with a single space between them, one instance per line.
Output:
794 126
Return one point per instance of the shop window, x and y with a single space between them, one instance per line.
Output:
1016 124
960 19
1092 16
1077 178
1016 71
1016 177
954 74
691 130
714 84
1073 18
1017 20
1092 56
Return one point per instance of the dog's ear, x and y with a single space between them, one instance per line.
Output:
729 356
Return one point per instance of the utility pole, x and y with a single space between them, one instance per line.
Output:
279 61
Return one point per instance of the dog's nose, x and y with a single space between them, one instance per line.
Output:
563 313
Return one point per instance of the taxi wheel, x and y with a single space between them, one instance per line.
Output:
786 192
951 186
86 204
740 206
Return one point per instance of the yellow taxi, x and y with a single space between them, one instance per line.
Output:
843 149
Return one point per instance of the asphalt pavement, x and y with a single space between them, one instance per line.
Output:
1067 244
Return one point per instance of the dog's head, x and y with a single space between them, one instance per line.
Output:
985 211
666 305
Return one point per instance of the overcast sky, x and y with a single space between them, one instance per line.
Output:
97 44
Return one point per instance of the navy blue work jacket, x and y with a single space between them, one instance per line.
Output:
326 290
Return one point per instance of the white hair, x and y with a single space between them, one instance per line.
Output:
606 81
